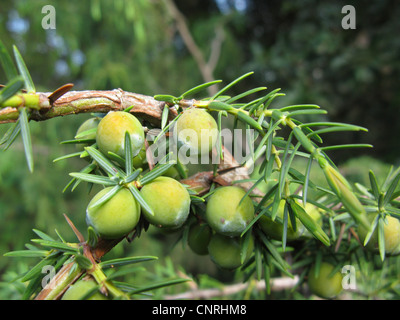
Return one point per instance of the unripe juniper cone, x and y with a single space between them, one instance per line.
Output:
228 212
226 252
169 200
274 228
111 131
89 127
197 130
199 237
391 231
116 217
323 282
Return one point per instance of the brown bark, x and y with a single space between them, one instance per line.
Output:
74 102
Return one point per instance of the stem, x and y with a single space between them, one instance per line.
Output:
101 279
67 275
60 283
277 284
29 100
75 102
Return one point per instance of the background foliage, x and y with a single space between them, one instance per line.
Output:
298 46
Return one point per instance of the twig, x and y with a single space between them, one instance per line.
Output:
277 284
206 68
60 282
216 47
100 101
340 237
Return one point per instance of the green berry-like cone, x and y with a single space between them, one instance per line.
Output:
139 161
197 130
226 252
325 284
110 136
116 217
199 238
85 126
225 214
274 229
391 231
169 200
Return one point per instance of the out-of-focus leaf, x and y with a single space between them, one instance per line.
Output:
7 63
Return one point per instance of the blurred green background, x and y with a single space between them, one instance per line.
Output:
166 47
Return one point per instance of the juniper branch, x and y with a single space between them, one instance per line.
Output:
91 101
277 284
